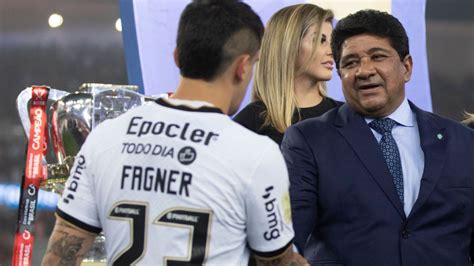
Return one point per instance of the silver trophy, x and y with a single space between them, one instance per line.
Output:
71 117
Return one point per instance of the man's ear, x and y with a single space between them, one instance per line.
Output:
176 57
243 65
408 64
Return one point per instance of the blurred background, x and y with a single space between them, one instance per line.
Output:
84 44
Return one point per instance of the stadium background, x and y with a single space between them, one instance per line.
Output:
88 48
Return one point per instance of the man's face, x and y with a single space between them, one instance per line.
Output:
373 77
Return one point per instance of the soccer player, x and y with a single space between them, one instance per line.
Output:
177 182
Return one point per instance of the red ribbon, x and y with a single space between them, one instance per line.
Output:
34 174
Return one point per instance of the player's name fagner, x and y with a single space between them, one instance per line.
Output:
140 127
139 178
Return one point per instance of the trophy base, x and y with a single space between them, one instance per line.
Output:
55 185
97 254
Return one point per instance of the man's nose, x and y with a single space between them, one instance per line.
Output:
366 69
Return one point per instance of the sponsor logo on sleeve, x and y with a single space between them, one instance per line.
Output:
78 169
273 215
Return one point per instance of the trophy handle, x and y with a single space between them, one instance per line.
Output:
22 105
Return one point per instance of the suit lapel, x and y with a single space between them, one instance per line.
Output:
357 133
433 144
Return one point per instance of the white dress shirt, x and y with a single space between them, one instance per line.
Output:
407 136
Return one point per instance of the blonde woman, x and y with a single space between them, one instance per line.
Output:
295 61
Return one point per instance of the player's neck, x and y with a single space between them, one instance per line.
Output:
214 93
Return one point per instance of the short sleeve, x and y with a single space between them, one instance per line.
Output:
269 226
77 204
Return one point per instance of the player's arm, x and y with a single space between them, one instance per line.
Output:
288 257
77 221
269 228
68 244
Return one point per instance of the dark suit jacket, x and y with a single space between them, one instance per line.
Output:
344 204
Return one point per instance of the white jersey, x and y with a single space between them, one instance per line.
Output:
170 181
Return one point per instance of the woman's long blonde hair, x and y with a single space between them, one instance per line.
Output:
277 68
469 118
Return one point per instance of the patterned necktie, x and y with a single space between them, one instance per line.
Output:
390 152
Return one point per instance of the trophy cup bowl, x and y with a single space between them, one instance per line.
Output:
71 118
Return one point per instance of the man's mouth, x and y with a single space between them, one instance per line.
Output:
368 86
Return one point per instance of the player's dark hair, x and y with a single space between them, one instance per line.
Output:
372 22
212 33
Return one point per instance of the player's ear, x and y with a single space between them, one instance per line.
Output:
176 57
243 66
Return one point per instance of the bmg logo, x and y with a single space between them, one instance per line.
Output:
271 209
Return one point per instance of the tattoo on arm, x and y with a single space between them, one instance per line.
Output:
67 245
286 258
67 248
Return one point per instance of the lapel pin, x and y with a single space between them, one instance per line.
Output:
440 136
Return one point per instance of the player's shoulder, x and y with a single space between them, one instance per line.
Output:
247 147
246 137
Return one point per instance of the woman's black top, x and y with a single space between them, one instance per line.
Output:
251 117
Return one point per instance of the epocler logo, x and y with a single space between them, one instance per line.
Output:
140 127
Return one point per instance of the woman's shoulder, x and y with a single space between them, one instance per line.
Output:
325 105
250 116
255 106
331 102
252 109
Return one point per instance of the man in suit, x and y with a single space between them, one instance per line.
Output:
379 181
